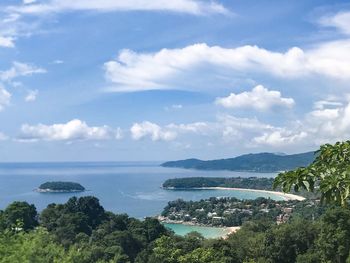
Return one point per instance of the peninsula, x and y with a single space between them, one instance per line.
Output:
258 162
253 184
60 187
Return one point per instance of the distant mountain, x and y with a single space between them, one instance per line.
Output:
258 162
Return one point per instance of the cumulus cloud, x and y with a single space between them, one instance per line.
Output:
5 97
31 96
72 130
319 126
19 69
259 98
225 128
152 130
330 124
180 6
177 68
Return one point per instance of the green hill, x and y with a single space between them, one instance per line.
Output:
259 162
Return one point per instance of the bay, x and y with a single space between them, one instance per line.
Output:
129 187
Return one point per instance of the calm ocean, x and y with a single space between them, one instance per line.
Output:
132 188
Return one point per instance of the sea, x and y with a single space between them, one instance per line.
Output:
122 187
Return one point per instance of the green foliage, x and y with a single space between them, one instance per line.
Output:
37 246
18 216
334 238
234 182
83 223
285 242
329 174
80 231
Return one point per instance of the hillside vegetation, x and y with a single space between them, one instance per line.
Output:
260 162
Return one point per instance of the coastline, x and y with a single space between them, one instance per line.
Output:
285 196
38 190
226 230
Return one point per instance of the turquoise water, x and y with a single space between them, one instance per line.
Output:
207 232
132 188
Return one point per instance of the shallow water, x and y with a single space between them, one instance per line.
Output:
207 232
132 188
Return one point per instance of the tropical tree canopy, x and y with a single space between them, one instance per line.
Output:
329 175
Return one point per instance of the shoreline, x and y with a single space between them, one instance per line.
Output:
228 229
38 190
285 196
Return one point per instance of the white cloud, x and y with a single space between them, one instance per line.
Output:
226 128
326 125
7 42
173 107
196 127
12 27
191 66
72 130
26 2
57 61
280 137
177 106
329 124
259 98
325 114
5 97
321 104
194 7
341 21
3 137
31 96
152 130
19 69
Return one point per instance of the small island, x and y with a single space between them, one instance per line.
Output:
60 187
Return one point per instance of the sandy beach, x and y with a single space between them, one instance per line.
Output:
281 194
232 229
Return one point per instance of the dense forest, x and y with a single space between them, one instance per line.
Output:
61 186
233 182
81 231
259 162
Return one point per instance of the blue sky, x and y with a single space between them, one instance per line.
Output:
112 80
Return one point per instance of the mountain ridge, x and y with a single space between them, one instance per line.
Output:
251 162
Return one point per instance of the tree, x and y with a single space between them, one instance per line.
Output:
19 215
201 255
285 242
334 239
329 174
165 251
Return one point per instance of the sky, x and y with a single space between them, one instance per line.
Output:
140 80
